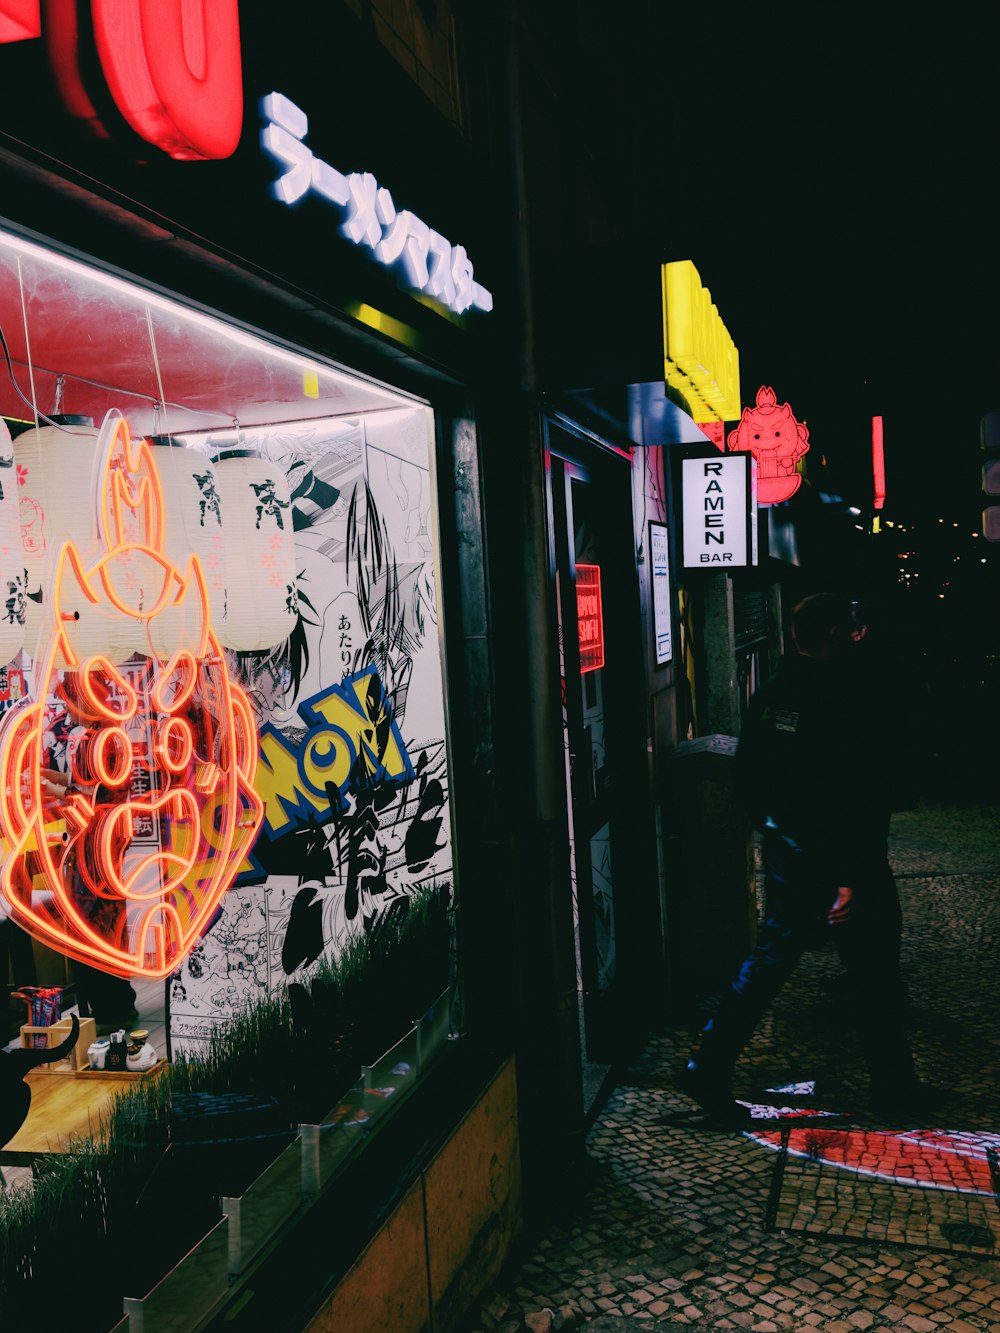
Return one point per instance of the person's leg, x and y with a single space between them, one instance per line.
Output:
108 999
761 976
21 954
887 911
18 959
7 1030
789 924
869 948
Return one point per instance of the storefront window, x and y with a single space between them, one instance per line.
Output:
294 653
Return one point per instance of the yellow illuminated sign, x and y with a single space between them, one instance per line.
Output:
700 358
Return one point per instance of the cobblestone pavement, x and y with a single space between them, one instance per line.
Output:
859 1226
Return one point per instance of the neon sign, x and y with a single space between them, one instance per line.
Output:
878 463
172 67
590 617
20 20
126 792
700 357
777 441
716 432
396 237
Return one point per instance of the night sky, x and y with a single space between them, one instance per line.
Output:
838 204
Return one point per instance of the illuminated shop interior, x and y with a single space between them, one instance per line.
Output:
83 350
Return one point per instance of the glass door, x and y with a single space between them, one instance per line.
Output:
580 551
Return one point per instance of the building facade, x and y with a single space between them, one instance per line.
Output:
442 647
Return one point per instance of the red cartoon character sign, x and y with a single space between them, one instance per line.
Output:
126 791
777 441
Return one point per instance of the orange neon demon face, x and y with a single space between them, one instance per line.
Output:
777 441
126 790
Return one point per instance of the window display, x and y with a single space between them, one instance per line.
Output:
226 755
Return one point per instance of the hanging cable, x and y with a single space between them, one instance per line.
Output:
36 411
156 366
40 416
27 341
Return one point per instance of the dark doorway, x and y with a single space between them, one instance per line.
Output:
602 727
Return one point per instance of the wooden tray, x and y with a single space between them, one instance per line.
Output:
128 1074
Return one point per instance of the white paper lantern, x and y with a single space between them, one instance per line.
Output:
54 468
259 541
192 525
12 601
101 629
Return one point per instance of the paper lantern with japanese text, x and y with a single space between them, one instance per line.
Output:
55 469
192 525
259 542
12 602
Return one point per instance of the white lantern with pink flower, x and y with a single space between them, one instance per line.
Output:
259 541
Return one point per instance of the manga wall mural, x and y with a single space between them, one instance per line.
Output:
350 714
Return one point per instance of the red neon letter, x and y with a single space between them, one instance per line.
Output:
878 462
173 68
19 20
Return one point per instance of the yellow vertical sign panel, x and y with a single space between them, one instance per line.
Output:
700 357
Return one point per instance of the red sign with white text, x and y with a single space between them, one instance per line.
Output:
590 617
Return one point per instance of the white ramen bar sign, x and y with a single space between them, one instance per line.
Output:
719 507
396 237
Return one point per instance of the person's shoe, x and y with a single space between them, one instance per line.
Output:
714 1094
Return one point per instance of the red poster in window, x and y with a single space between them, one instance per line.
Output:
590 617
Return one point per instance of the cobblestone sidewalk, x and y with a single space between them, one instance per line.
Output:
859 1226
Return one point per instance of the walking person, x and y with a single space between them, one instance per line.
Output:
807 771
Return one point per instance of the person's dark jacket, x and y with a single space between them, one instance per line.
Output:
807 762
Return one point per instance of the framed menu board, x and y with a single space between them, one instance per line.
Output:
659 568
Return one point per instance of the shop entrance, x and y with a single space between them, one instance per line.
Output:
589 529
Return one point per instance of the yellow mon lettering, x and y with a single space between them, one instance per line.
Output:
355 721
277 781
203 869
293 778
